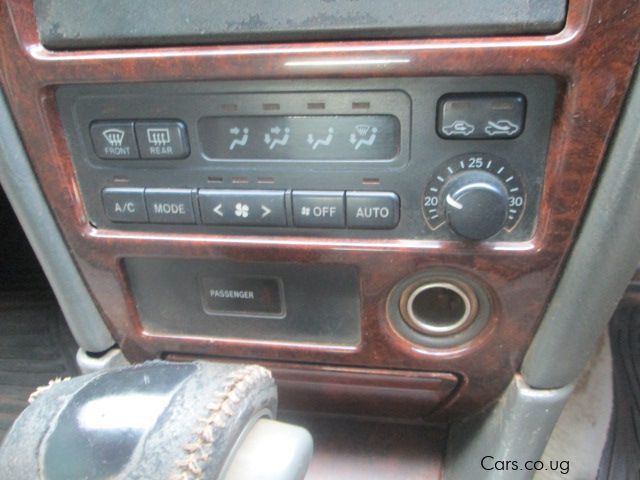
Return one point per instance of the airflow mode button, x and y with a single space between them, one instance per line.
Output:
114 140
169 205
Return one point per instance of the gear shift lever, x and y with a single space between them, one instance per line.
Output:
160 420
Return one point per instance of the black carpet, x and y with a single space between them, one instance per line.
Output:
621 456
35 347
35 343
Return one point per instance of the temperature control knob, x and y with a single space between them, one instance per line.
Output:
476 195
476 205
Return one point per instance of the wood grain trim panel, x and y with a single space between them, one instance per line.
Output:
593 59
403 395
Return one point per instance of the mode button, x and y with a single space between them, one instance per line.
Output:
170 205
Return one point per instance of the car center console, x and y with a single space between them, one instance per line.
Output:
417 158
380 222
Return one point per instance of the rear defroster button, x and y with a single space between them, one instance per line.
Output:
162 139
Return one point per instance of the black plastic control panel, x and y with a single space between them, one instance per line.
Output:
387 158
328 137
260 208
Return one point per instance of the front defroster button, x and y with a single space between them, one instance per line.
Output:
169 205
318 209
114 140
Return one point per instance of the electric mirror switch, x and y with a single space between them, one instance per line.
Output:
114 140
162 139
124 205
481 116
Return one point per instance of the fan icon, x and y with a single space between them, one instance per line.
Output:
242 210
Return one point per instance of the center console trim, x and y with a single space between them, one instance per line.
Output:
593 59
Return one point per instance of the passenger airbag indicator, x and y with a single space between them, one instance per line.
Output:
242 296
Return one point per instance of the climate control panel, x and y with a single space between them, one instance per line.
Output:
418 158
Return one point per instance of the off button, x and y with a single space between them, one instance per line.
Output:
318 209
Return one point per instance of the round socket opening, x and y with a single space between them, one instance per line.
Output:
439 308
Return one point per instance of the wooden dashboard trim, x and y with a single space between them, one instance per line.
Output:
593 59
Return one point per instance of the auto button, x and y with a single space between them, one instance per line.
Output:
375 210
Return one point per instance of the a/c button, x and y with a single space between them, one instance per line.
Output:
124 205
318 209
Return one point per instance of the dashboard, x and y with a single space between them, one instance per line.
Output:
382 220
